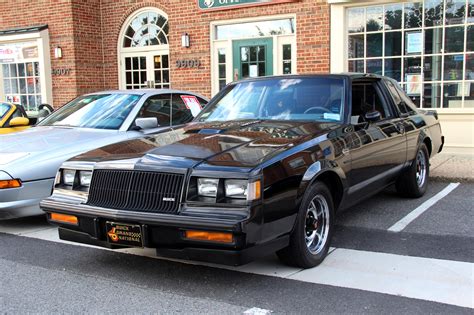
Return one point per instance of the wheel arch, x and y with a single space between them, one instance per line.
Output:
329 174
429 145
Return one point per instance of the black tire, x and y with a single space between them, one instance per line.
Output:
298 253
409 184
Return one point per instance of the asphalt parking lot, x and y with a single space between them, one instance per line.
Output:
425 266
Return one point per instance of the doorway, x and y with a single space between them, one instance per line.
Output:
144 50
145 70
252 58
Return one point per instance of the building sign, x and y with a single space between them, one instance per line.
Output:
207 5
17 52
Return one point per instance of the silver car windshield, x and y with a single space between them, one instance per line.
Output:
307 99
99 111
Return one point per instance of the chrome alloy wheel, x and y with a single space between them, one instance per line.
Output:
317 224
420 168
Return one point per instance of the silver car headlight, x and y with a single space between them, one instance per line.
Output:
68 177
207 187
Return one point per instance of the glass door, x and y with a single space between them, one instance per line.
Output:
252 58
145 70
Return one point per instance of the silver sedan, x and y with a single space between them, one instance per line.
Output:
30 159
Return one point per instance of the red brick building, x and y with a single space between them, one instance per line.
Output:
54 50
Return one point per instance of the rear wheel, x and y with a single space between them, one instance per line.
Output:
311 237
414 181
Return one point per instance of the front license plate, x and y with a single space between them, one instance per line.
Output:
124 234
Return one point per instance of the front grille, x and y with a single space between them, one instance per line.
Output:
136 190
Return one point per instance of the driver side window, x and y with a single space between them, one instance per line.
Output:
366 98
158 106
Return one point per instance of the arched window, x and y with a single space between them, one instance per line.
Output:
146 29
143 50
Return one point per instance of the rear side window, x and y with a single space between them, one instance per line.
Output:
184 108
402 107
407 107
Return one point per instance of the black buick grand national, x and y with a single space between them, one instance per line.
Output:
264 168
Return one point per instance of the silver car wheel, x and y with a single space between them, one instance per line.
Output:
317 224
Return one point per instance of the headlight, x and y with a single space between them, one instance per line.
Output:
222 189
207 187
236 188
68 177
85 178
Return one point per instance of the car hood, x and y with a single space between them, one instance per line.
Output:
39 151
239 144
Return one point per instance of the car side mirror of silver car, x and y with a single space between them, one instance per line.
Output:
146 123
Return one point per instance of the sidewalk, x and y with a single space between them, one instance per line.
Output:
452 167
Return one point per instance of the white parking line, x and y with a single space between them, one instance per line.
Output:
257 311
402 224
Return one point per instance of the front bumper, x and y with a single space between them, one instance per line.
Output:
165 232
14 202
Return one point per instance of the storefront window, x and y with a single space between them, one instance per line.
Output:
427 46
20 75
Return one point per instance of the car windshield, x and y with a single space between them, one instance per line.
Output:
3 109
99 111
308 99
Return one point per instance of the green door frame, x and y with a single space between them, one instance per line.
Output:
237 44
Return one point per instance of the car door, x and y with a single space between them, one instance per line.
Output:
377 148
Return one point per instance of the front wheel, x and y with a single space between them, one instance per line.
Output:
311 237
414 181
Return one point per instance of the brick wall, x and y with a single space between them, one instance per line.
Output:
58 16
312 18
88 31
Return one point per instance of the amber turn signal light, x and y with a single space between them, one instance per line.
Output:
210 236
63 218
10 183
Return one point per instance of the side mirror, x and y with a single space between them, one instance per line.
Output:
373 116
147 123
19 121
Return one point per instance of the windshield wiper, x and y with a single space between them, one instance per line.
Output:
62 126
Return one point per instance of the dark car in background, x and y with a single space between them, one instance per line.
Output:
264 168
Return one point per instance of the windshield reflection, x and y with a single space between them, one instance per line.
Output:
299 99
99 111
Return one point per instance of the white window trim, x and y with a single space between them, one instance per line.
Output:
42 40
227 44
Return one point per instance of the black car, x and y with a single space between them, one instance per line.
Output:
264 168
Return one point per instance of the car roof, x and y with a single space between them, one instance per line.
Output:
350 75
147 92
